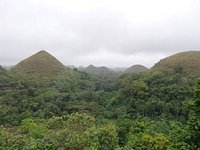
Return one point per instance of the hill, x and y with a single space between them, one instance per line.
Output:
186 63
41 63
102 71
136 69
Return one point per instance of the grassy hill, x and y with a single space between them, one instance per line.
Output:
186 63
136 69
41 63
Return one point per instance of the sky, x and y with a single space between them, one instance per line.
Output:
113 33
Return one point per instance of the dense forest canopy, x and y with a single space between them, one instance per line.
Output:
153 110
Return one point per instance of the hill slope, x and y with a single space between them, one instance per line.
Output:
41 63
136 69
186 63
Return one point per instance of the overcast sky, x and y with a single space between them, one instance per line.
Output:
113 33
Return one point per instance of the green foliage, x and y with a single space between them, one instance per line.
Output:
33 129
75 110
179 136
123 129
139 139
2 137
75 131
194 121
148 142
108 137
155 94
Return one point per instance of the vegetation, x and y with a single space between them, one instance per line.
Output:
186 63
153 110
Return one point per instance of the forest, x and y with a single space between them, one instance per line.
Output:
152 110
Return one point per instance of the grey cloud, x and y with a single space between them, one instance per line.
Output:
78 36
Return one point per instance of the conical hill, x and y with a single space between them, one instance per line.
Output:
41 63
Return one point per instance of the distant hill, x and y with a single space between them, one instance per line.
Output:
186 63
116 72
136 69
41 63
97 70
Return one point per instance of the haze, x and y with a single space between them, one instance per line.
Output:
113 33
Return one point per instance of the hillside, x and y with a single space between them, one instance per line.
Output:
136 69
41 63
186 63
